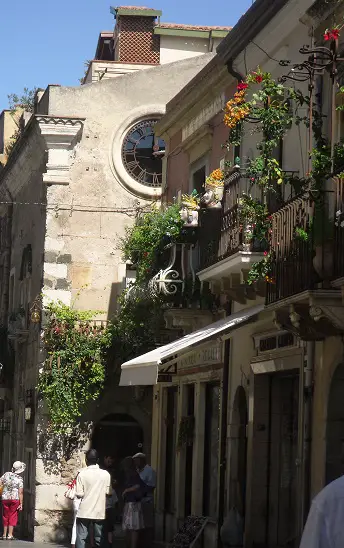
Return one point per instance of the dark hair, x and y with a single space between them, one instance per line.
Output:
91 457
128 466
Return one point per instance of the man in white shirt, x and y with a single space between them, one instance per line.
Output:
92 486
148 476
325 523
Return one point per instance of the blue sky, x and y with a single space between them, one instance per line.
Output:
47 42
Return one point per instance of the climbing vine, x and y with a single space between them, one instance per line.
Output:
144 242
269 111
74 369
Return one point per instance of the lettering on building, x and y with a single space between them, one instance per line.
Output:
206 114
205 356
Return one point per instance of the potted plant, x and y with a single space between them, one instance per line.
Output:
214 185
189 209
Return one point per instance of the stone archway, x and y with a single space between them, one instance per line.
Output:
238 452
118 435
335 427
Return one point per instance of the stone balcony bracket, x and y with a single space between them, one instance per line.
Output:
311 315
61 136
229 277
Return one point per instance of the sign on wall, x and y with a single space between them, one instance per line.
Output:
206 114
209 355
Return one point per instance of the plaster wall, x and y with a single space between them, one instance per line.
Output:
175 48
103 70
295 143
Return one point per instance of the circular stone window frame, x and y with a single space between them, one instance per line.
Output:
116 162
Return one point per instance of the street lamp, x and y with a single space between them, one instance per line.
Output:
29 406
36 311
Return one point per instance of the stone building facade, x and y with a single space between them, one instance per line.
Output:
268 423
67 193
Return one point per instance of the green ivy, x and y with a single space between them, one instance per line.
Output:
74 369
145 241
260 271
136 327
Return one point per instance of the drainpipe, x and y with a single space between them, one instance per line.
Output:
306 434
223 440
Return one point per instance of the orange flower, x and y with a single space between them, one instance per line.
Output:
236 109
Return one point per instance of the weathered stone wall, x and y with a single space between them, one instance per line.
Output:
22 179
75 255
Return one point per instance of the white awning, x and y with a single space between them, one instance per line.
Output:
143 370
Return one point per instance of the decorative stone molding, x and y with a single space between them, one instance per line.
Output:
60 135
330 309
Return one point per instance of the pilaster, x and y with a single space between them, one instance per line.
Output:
61 136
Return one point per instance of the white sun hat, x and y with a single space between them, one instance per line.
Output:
139 456
18 467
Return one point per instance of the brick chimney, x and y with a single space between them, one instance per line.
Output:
134 38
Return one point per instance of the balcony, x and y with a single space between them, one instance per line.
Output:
226 255
292 246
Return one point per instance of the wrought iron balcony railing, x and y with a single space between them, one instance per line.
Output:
291 246
221 232
177 282
338 250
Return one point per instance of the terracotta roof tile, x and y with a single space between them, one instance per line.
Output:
189 27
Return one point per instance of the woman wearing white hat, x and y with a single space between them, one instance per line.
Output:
12 497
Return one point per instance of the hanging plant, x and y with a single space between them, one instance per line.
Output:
144 242
74 369
186 432
261 270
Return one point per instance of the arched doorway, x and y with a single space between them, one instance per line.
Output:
118 435
335 427
238 456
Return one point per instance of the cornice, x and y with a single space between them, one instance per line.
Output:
59 120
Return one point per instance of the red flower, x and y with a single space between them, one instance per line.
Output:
331 34
258 78
265 253
241 86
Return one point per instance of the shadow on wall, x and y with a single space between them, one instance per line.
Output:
55 451
116 290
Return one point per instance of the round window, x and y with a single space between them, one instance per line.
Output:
142 154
